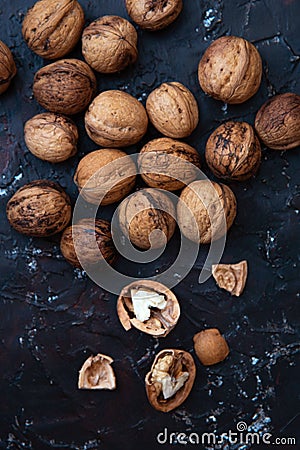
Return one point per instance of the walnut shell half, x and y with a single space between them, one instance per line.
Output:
210 346
170 380
97 373
231 277
7 67
153 14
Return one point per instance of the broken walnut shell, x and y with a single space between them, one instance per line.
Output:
210 346
153 14
97 373
231 277
7 67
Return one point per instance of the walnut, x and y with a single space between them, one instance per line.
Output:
233 151
210 346
52 28
175 163
173 110
170 380
278 122
7 67
109 44
105 176
153 14
66 86
148 306
40 208
144 212
97 373
231 277
230 70
81 238
205 211
51 137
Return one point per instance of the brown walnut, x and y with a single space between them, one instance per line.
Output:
66 86
230 70
233 151
278 122
205 211
173 110
168 164
109 44
144 212
105 176
7 67
51 137
231 277
81 238
40 208
97 373
116 119
52 28
153 14
170 380
210 346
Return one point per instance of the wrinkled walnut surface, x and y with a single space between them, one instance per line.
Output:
231 277
7 67
210 346
153 14
97 373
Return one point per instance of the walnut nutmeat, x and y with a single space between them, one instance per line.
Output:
153 15
210 346
231 277
7 67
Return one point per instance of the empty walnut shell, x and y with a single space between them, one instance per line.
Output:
210 346
233 151
105 176
84 234
66 86
144 212
205 211
174 164
173 110
116 119
153 14
51 137
52 28
97 373
278 122
169 366
231 277
161 321
230 70
109 44
40 208
7 67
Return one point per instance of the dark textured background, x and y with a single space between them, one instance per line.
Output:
54 317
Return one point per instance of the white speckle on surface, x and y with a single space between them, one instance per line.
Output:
10 188
32 265
209 17
254 360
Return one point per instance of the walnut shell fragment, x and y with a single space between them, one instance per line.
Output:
170 380
161 320
7 67
231 277
97 373
153 15
210 346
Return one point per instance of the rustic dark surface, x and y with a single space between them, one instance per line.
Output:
54 317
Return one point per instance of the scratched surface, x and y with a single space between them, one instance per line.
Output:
54 317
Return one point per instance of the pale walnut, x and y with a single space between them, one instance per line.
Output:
105 176
153 14
168 164
210 346
109 44
231 277
7 67
52 28
173 110
230 70
97 373
116 119
205 211
170 380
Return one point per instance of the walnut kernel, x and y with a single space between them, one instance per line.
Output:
210 346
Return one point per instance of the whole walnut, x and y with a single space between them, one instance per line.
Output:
210 346
7 67
173 110
278 122
80 239
52 28
168 164
206 211
40 208
230 70
105 176
51 137
66 86
233 151
116 119
153 14
144 212
109 44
